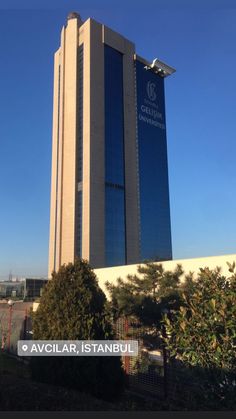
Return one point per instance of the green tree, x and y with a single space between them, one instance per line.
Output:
73 307
147 296
144 298
202 334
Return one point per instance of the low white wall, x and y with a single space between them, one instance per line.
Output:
193 265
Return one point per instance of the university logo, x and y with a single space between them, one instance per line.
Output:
151 87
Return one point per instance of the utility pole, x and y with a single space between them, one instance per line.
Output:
10 303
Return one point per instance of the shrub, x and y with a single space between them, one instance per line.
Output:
73 307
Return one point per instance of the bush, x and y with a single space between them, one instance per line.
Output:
202 336
73 307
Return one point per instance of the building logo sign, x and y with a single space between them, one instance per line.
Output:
150 110
151 91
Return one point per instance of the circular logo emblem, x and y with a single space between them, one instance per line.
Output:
151 87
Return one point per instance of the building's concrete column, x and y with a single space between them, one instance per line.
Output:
54 174
60 152
97 152
69 143
84 38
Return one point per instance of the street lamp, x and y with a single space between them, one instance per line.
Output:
10 304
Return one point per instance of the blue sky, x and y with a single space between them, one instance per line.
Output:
195 37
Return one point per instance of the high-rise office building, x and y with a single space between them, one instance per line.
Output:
109 188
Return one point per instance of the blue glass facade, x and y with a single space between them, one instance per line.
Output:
115 232
155 234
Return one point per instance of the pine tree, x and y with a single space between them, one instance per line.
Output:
147 296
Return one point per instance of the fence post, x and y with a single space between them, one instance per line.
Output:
9 326
25 325
127 358
165 367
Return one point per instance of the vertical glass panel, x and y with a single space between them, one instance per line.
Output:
79 162
114 123
115 226
80 115
153 167
79 224
115 235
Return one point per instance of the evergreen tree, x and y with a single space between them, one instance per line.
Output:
147 296
73 307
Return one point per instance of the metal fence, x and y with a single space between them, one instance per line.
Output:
15 324
152 373
147 373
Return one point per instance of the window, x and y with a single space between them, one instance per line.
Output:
115 234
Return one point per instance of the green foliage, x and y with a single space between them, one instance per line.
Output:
203 332
199 329
146 296
202 336
196 388
73 307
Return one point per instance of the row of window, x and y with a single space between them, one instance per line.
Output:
78 236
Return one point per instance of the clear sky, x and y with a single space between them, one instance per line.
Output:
197 38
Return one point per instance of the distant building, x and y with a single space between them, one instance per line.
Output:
33 288
109 188
27 289
11 289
